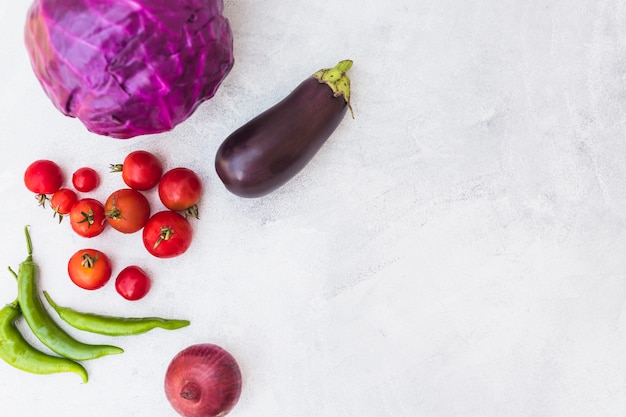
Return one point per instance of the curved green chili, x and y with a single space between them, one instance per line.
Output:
17 352
42 324
113 326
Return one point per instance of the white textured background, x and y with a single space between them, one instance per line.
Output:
457 250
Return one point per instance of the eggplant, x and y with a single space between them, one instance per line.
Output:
270 149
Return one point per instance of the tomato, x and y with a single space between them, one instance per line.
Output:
43 177
89 269
132 283
141 170
62 202
127 210
87 217
85 179
180 190
167 234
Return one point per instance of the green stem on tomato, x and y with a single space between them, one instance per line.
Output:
165 234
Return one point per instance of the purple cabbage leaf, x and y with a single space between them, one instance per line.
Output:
129 67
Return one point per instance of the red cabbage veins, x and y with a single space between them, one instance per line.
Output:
129 67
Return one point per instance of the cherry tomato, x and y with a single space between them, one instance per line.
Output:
85 179
180 190
167 234
127 210
89 269
87 217
43 177
132 283
141 170
62 202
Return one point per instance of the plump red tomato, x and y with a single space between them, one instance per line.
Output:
180 190
87 217
85 179
167 234
43 177
62 202
132 283
127 210
89 269
141 170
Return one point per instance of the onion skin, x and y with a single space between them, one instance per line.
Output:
269 150
203 380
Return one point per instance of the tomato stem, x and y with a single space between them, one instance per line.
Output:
165 234
192 211
116 167
88 261
87 218
56 212
114 213
41 199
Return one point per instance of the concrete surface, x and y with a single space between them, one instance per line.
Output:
456 250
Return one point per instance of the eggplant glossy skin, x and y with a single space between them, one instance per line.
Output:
269 150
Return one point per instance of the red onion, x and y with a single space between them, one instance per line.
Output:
203 380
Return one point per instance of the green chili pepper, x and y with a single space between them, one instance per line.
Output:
113 326
42 324
17 352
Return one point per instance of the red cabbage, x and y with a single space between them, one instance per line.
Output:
129 67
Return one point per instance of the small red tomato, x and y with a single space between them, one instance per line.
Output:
62 202
89 269
85 179
87 217
141 170
43 177
167 234
132 283
180 190
127 210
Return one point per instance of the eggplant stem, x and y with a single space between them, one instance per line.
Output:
337 79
